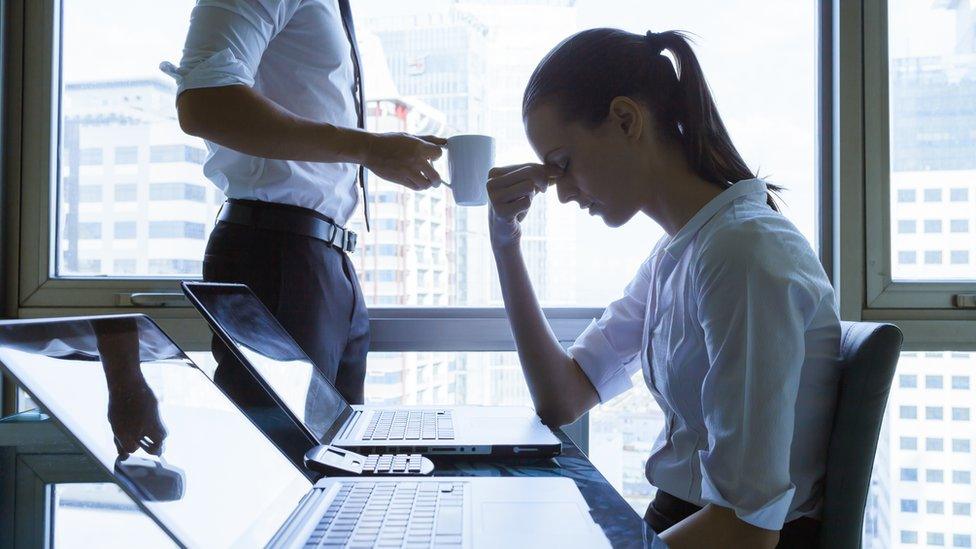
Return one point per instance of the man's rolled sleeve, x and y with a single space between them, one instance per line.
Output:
220 69
226 41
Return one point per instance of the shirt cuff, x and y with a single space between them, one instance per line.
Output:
600 362
220 69
771 516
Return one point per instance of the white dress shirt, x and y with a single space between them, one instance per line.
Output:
295 53
734 324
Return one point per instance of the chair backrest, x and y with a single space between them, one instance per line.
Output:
868 356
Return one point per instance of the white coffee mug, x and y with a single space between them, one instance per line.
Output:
469 158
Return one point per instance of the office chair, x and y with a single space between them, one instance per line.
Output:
868 356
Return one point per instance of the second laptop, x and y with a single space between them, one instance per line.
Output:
279 365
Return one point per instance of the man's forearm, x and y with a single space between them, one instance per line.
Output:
239 118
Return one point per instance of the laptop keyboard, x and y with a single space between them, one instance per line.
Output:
409 515
410 425
393 464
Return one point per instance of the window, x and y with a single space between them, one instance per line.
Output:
471 82
908 443
934 507
483 96
90 157
126 192
962 540
933 257
909 475
959 226
908 536
960 382
126 155
933 226
175 266
161 154
906 195
931 149
960 508
960 445
933 382
960 414
959 257
933 412
124 230
909 506
907 258
456 48
935 538
119 134
177 191
89 231
907 226
933 444
175 229
124 266
90 193
961 477
933 475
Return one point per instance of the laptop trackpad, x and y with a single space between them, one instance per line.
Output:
541 523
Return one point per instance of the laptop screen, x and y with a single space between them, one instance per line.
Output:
239 316
168 435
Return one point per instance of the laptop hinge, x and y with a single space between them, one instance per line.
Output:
299 526
350 427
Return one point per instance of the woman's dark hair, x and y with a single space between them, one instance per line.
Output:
585 72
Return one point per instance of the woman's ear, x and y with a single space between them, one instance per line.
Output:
627 117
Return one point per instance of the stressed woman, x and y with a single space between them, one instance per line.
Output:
731 317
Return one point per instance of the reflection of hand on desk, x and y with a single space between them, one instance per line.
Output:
133 410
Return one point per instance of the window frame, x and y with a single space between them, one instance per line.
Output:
883 294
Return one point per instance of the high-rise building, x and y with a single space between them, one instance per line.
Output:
931 463
408 255
927 461
440 59
134 200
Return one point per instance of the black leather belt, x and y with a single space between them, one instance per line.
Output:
289 219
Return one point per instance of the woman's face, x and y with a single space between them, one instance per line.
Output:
600 168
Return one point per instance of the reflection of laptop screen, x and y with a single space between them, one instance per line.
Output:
288 371
201 486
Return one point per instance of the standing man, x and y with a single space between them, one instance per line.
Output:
274 88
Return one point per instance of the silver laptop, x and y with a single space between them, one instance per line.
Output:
187 456
276 361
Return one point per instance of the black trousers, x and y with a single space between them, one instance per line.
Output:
666 510
310 287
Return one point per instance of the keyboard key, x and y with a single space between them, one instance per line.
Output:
449 522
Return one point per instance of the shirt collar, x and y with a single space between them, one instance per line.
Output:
747 187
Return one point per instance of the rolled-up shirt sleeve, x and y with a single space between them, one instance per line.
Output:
754 314
608 349
226 40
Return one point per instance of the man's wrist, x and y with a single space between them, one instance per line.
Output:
352 144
